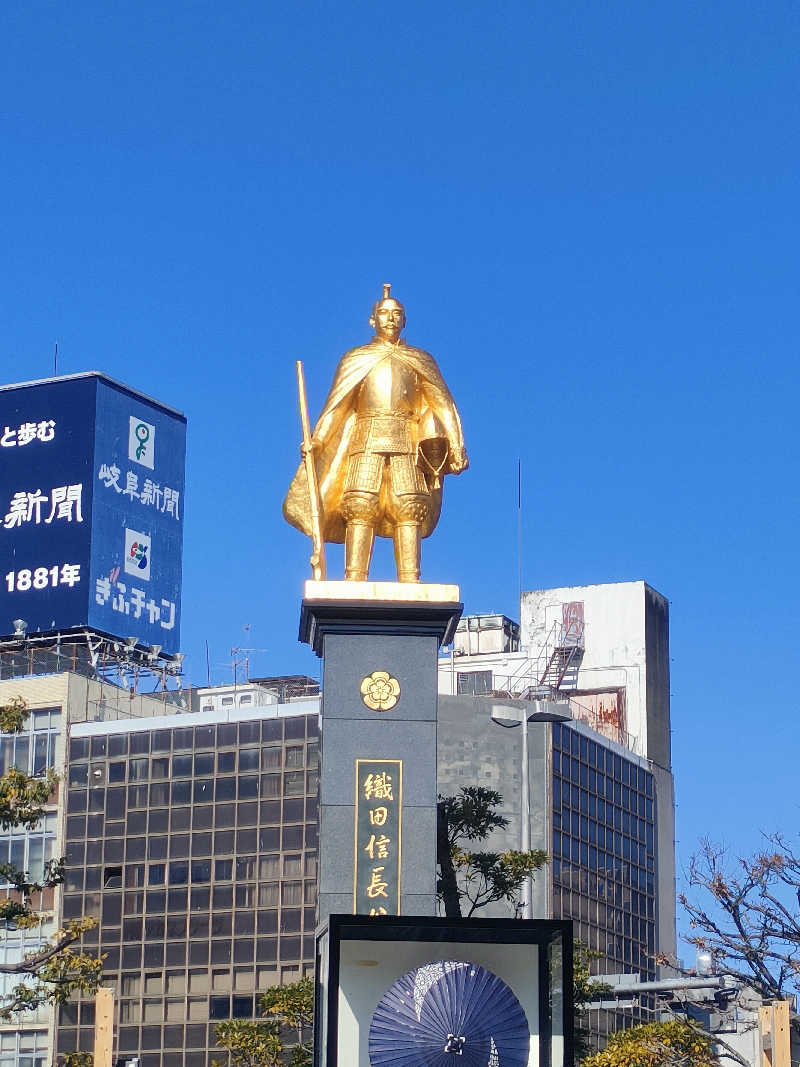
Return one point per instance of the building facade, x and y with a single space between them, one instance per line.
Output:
189 821
193 839
601 787
57 703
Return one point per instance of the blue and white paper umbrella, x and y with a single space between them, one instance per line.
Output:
449 1014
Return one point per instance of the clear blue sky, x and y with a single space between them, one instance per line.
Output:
591 212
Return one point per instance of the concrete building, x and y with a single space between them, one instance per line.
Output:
57 704
193 839
601 788
605 648
189 820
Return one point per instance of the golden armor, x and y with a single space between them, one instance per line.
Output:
388 433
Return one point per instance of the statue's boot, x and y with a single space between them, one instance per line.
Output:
407 551
358 541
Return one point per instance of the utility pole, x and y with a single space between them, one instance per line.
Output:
103 1027
773 1021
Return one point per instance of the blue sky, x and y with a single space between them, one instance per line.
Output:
591 213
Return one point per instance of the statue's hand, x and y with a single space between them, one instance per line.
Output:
458 461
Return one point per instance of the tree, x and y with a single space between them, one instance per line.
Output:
751 925
585 989
676 1043
55 970
261 1043
472 880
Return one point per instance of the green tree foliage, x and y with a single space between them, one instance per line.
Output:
287 1010
584 990
56 969
470 880
76 1059
676 1043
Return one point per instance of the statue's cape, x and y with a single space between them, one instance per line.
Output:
334 428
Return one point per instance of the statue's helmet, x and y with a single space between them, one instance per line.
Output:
386 301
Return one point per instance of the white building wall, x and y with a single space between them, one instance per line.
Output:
614 637
503 665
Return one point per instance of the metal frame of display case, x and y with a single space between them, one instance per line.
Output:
552 936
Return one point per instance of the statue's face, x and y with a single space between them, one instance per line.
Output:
389 321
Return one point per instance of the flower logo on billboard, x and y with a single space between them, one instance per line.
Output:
141 442
379 691
137 554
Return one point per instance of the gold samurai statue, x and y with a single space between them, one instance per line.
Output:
387 434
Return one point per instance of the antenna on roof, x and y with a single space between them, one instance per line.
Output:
519 531
55 361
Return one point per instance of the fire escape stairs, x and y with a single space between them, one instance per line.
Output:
556 665
559 662
560 657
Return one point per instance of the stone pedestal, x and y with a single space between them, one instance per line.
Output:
379 643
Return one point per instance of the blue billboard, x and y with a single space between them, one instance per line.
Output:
91 510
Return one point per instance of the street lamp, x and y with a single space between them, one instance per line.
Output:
518 714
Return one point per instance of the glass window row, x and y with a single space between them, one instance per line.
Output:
162 794
596 857
200 817
194 1036
180 739
268 922
243 868
220 924
142 768
586 828
154 901
176 983
567 794
116 850
632 954
597 756
289 948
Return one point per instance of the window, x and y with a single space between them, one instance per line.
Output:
32 750
473 683
139 769
29 851
160 767
181 766
223 870
201 870
219 1007
204 763
79 774
112 877
179 873
226 761
294 783
295 756
271 759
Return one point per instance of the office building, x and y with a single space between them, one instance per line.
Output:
601 788
56 703
193 838
189 820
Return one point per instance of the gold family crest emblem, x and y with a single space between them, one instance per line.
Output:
379 691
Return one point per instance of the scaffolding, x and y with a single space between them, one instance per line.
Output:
123 663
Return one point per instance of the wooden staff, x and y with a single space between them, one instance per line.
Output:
317 544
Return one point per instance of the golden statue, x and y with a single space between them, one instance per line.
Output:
388 433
